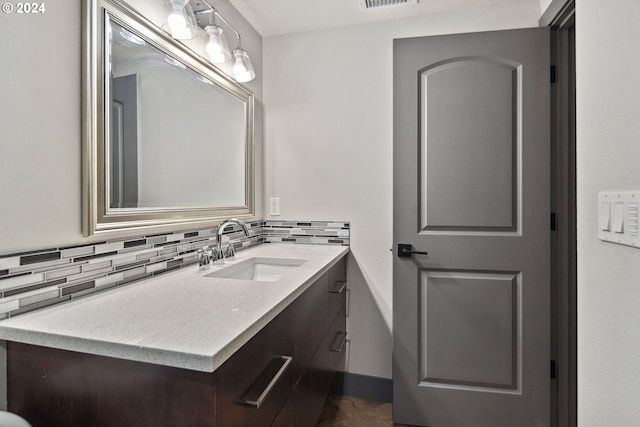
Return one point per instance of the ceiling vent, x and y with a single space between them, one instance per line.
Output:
380 4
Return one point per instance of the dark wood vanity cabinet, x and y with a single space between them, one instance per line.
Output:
315 324
326 357
58 388
254 383
280 378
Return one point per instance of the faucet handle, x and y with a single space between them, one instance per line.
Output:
203 259
230 252
216 255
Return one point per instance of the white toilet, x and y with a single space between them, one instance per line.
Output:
7 419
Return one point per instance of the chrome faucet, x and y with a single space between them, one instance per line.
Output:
219 254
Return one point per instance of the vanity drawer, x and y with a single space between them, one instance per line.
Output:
257 380
285 417
337 287
310 314
333 348
311 391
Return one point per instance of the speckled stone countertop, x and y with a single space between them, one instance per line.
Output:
181 319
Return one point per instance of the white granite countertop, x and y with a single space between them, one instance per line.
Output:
181 319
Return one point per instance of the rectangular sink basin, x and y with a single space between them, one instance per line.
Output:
260 269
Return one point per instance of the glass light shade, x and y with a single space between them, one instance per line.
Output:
181 22
217 48
242 68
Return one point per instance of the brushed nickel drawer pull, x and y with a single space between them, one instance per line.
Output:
338 287
265 393
340 339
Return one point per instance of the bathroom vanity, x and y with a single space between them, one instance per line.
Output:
188 348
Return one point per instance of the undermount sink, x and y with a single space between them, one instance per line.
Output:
260 269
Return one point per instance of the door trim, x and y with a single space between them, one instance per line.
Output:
560 17
557 13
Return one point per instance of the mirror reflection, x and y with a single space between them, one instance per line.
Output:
177 139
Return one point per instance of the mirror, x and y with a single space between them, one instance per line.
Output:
168 140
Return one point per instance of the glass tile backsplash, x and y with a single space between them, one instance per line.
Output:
36 279
307 232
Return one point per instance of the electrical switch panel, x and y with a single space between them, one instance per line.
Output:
618 217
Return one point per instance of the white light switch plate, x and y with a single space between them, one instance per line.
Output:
618 217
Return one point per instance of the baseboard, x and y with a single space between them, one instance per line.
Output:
362 386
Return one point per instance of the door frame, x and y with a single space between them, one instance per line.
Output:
560 17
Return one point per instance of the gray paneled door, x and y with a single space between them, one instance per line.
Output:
471 319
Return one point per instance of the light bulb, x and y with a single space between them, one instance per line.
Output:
180 22
240 71
217 47
215 53
177 22
242 68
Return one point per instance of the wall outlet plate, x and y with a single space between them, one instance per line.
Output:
274 206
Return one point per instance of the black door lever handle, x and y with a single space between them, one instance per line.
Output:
405 251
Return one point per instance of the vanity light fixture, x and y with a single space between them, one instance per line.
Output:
181 22
216 49
243 68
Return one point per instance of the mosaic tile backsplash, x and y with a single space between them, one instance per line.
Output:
307 232
36 279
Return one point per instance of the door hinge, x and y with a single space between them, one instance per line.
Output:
553 75
554 224
554 369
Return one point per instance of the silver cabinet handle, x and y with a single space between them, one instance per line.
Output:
265 393
338 287
338 342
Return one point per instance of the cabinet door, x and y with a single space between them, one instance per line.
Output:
256 381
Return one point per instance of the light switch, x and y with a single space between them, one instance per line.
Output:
619 217
605 216
617 220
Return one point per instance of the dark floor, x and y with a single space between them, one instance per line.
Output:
343 411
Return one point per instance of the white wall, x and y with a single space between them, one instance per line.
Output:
608 149
328 147
40 121
40 127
